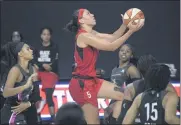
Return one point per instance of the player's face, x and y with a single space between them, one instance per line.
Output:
26 52
16 37
125 53
88 18
46 36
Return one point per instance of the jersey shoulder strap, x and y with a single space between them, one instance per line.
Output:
24 73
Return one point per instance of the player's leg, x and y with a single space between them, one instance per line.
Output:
111 91
91 114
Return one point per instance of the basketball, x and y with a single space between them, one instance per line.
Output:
133 14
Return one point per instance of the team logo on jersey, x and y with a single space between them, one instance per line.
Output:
122 71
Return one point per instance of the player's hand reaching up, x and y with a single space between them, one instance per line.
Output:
135 27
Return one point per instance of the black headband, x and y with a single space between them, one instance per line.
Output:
18 48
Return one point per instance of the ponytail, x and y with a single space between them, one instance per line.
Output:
71 27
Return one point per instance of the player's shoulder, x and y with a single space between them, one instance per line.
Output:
114 68
171 95
15 70
83 36
139 96
132 68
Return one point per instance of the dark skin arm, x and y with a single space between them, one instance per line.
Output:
133 110
133 72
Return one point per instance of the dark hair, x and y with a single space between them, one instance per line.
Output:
70 114
11 51
73 25
157 77
21 36
46 28
9 58
134 59
145 62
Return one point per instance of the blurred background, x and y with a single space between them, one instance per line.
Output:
159 37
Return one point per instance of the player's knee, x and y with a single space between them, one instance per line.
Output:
50 102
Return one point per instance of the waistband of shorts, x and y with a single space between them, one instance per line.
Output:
82 77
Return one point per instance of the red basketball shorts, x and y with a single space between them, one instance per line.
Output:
48 79
87 93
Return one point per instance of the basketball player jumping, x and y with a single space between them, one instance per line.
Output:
85 87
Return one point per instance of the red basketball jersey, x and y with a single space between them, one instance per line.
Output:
85 59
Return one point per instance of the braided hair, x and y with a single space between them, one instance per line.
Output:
145 62
157 77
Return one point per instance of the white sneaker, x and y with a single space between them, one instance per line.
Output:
41 105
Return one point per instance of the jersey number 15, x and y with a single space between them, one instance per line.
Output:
153 113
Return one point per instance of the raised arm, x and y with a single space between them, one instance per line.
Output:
112 37
102 44
89 39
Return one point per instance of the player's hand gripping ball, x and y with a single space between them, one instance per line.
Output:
133 15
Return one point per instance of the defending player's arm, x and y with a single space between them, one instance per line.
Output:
171 109
129 92
132 112
13 76
133 73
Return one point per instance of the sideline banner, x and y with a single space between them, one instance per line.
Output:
61 95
